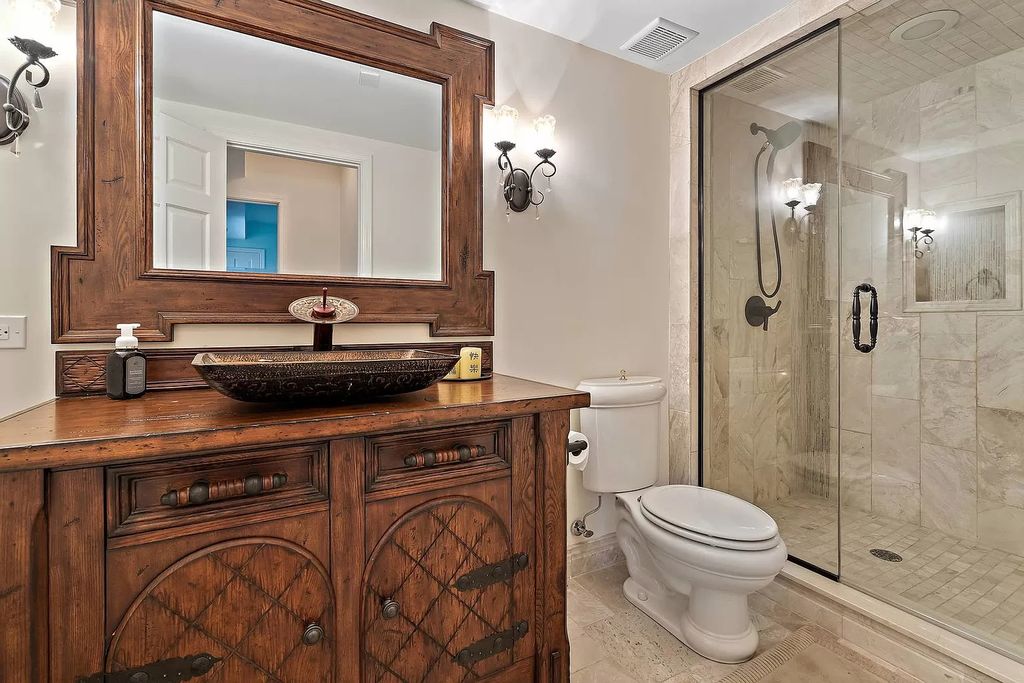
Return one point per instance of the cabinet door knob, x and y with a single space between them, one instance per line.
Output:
389 609
313 634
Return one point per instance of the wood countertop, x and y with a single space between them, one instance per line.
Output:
76 432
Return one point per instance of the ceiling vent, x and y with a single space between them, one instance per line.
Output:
659 38
759 78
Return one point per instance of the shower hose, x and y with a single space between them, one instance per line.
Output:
757 230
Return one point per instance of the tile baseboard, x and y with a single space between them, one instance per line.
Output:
598 553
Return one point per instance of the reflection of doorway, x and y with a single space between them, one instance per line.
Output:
252 244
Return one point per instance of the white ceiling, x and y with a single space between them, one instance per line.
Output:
606 24
212 67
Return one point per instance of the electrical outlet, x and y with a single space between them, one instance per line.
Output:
12 331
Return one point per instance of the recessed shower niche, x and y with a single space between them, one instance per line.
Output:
860 300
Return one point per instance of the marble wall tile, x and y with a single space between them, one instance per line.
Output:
948 403
895 367
950 336
948 126
896 440
855 470
679 447
679 367
896 498
949 490
999 82
956 169
1001 361
1001 456
855 393
999 526
999 168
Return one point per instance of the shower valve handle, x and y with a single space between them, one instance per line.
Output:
757 312
872 319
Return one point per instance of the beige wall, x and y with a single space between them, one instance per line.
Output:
581 293
317 232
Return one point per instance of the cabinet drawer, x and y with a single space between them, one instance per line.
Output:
437 455
212 489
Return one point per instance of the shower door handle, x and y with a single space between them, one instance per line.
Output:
872 320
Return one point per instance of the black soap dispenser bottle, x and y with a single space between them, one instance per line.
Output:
126 366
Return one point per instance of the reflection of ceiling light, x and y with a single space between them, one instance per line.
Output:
925 26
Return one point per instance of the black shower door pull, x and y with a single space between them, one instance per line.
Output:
872 321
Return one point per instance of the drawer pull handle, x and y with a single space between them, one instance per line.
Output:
429 457
204 492
313 634
389 609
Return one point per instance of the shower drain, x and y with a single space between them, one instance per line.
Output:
887 555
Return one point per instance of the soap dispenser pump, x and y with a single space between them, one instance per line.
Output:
126 365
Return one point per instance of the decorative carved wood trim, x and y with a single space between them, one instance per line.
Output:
84 372
107 276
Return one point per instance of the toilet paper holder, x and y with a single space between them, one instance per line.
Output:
576 447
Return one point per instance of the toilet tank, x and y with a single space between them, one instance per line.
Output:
623 425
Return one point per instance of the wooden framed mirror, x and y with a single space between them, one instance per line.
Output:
236 156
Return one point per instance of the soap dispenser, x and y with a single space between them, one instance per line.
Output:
126 366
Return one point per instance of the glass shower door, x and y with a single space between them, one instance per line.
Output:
770 376
931 419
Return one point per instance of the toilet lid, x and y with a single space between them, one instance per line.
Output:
709 513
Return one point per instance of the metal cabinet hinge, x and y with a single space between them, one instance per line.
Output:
492 645
493 573
177 669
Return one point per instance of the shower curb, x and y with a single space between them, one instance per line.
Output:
904 640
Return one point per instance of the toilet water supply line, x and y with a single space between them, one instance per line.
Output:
577 453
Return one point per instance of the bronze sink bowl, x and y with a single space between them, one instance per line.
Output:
321 376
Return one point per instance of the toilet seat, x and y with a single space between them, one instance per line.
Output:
709 517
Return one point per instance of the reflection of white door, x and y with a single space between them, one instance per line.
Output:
189 197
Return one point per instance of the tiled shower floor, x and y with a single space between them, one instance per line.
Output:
970 586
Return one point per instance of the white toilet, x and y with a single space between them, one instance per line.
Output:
693 554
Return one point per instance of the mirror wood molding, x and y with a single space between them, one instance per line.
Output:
108 276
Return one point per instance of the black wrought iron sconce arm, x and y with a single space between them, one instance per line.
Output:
16 117
519 189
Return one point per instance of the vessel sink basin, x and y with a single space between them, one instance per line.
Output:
321 376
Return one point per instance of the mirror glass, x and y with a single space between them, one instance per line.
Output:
964 255
272 159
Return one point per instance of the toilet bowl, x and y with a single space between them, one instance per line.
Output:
694 555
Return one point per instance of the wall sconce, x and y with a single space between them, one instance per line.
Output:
518 187
796 192
920 225
37 17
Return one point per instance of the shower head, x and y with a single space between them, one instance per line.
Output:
780 138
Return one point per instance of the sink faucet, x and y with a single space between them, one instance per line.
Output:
324 312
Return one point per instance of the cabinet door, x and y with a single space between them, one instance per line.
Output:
438 598
249 609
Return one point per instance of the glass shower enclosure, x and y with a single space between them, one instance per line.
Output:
862 334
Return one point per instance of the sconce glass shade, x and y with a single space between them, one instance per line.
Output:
928 220
35 19
505 120
811 193
911 218
544 132
791 190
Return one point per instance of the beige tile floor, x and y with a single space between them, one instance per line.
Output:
613 642
961 583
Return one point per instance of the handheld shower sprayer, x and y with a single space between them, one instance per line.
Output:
779 138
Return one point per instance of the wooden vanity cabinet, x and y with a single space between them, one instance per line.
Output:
425 542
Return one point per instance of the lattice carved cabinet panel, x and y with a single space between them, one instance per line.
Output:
248 604
427 614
